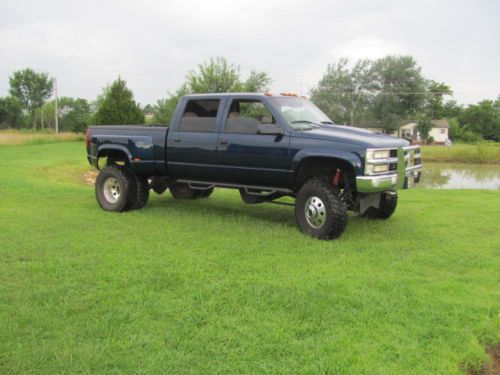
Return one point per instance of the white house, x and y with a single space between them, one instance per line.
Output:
439 131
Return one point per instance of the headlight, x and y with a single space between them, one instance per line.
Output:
376 168
380 168
378 154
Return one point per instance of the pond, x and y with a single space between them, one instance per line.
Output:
460 176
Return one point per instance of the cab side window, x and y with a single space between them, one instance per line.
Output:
199 116
245 116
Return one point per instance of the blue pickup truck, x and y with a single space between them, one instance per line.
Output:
268 147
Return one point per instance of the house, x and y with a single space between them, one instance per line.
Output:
439 131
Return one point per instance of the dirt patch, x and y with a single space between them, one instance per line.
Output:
492 368
90 177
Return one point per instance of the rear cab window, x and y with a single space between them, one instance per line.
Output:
200 116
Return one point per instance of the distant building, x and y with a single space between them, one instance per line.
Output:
439 131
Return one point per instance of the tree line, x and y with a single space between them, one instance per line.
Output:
384 93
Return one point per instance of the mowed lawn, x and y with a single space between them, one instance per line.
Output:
216 286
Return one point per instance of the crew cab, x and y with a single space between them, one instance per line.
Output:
268 147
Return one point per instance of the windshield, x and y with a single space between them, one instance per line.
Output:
301 114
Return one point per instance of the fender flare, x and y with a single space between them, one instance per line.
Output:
322 152
113 147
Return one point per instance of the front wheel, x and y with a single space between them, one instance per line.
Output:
319 211
387 206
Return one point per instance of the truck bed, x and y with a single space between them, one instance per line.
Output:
144 145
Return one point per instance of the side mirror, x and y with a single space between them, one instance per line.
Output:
269 129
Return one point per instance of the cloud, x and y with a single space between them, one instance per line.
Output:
154 43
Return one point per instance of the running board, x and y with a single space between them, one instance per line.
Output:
204 185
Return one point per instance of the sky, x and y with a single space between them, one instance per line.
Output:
153 44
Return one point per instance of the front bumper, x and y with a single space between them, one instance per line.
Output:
407 173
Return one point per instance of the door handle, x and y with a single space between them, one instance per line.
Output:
223 142
177 139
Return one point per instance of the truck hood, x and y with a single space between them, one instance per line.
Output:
349 134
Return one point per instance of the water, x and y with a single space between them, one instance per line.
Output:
460 176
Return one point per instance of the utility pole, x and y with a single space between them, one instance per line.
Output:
56 115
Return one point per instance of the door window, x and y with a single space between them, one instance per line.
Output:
245 116
199 116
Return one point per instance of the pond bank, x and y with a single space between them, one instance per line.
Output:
481 153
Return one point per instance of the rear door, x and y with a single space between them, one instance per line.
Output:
192 142
246 157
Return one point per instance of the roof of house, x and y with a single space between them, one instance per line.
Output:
443 123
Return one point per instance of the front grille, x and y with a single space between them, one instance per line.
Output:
393 167
394 153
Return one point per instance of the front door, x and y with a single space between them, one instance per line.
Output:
244 156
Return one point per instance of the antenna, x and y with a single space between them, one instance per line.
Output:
56 111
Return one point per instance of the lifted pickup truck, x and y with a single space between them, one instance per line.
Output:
266 146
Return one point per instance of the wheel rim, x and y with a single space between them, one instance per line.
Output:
315 212
111 190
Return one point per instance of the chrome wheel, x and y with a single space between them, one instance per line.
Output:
315 212
111 190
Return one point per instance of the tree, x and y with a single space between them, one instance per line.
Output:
434 106
75 115
343 93
11 112
482 118
385 91
424 126
451 109
148 109
257 82
399 88
32 89
117 106
165 108
218 75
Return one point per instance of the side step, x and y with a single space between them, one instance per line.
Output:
204 185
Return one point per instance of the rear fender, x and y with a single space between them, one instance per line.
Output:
110 149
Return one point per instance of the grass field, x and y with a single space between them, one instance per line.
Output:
485 152
216 286
27 137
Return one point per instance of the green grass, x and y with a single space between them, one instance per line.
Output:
216 286
484 152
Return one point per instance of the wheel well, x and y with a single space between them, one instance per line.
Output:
112 157
319 166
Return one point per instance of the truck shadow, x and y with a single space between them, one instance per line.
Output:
213 207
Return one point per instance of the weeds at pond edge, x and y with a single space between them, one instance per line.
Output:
491 368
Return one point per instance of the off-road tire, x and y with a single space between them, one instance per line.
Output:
159 185
205 193
142 194
388 203
125 183
335 211
183 191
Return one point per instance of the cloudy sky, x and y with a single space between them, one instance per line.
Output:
154 43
